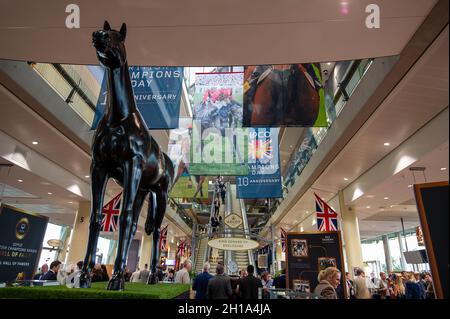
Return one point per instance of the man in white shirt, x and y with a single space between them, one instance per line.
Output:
135 276
360 285
182 276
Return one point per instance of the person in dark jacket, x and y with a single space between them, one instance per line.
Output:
44 269
248 286
201 282
413 290
51 274
280 281
105 276
219 287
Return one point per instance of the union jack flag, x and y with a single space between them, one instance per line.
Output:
283 240
110 214
163 239
182 246
326 216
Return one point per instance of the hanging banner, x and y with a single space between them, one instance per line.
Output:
264 177
157 91
326 217
185 185
218 140
284 95
111 214
309 253
21 236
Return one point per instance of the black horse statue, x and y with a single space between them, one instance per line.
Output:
123 149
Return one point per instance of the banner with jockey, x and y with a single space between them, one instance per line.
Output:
185 185
284 95
157 92
218 144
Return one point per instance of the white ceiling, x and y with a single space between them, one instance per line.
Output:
211 32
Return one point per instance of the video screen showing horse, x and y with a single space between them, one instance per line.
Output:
284 95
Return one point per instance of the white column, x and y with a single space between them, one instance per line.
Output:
145 252
387 253
80 233
350 230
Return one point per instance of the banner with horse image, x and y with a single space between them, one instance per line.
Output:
219 144
284 95
157 91
264 177
185 185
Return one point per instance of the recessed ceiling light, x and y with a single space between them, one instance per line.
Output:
345 179
387 144
70 202
443 168
290 146
367 206
391 206
87 176
20 180
410 185
386 197
329 63
50 193
35 143
370 196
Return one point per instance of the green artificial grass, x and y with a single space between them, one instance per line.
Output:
97 291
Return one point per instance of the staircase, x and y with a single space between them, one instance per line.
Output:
203 244
214 260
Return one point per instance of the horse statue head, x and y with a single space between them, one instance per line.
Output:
110 46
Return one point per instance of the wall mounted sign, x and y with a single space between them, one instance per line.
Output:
233 243
21 236
233 220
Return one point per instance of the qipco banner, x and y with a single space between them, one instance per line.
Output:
284 95
264 178
219 146
157 91
21 236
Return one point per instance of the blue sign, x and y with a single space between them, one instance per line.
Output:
264 177
157 91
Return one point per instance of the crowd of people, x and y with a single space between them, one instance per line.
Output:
403 285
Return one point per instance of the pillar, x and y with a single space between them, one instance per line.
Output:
80 233
400 244
65 237
112 252
350 230
387 253
145 252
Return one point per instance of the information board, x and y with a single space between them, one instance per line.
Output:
309 252
21 236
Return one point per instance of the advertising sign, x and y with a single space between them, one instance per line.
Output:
307 253
185 185
157 92
21 236
233 243
233 220
218 140
264 177
284 95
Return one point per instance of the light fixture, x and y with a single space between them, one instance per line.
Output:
370 196
386 197
410 185
443 168
87 176
35 143
20 180
345 179
70 202
329 63
50 193
367 206
387 144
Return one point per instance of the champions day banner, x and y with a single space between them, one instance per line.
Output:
185 185
21 236
219 146
284 95
264 177
157 91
